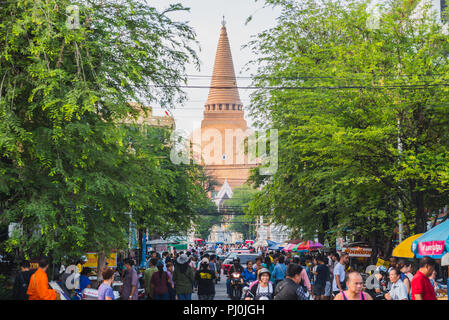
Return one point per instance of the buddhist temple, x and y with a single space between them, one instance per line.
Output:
223 128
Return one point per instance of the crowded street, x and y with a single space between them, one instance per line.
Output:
233 151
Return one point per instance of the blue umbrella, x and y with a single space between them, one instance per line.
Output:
434 243
271 243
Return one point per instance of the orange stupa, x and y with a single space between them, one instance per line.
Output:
223 128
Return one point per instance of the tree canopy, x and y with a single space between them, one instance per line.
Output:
71 166
362 117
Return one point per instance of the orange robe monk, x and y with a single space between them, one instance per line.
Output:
38 288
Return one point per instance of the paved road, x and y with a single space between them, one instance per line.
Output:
220 290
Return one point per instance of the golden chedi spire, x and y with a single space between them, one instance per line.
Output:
223 89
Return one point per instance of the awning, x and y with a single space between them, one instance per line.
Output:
433 243
404 249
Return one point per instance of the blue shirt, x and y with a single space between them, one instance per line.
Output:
249 276
279 271
105 291
84 282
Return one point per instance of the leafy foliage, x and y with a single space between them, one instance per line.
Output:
71 164
341 167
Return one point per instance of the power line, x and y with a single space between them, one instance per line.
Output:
423 86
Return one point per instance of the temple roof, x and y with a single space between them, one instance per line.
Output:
224 193
223 75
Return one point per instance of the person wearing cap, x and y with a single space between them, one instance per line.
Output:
206 281
261 289
183 277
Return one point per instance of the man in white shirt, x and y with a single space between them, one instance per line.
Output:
398 289
338 284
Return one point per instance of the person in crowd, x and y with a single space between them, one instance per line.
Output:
354 284
219 264
338 283
21 281
160 283
130 282
206 281
236 267
398 289
38 288
381 285
287 289
268 264
404 268
148 273
279 271
183 277
249 274
321 278
422 288
262 289
258 261
84 281
213 265
433 280
171 287
105 291
393 263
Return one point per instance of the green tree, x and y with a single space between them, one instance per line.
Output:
69 166
349 92
244 224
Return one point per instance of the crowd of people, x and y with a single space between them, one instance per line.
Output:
270 276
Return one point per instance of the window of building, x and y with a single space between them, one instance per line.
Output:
227 106
219 107
233 106
213 107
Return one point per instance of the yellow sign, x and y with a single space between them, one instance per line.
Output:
92 260
381 262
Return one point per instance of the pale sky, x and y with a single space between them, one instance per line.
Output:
205 18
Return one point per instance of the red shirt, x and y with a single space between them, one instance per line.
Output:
422 285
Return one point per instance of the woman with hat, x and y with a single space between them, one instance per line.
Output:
206 281
263 288
183 277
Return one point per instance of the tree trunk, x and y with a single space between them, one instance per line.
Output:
100 266
420 215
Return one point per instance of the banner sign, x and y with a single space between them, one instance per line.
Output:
381 262
358 252
92 260
431 248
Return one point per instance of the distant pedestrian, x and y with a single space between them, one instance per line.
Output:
339 283
160 282
147 274
171 287
21 281
321 279
130 283
206 281
422 288
183 276
105 291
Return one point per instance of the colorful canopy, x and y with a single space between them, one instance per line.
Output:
289 247
198 239
434 243
404 249
307 246
295 241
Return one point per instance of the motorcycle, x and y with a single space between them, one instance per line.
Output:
236 286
